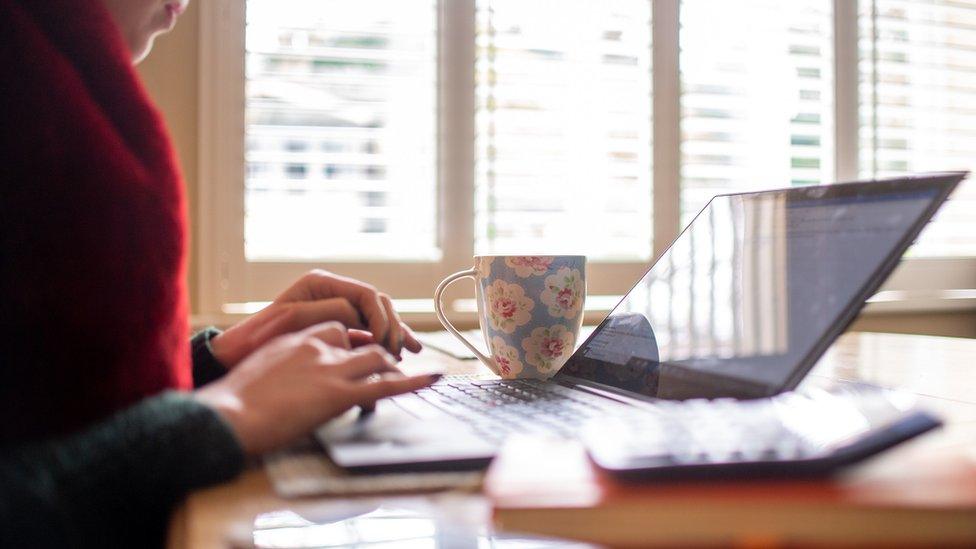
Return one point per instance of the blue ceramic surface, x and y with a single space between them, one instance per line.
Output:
531 310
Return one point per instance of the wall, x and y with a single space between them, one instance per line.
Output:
171 74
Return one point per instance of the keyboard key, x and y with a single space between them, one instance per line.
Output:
498 408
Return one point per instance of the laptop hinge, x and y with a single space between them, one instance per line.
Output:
586 386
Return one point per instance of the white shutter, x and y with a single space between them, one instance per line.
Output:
918 104
563 150
341 108
757 96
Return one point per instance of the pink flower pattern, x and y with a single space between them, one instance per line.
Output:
508 306
528 265
564 293
506 358
548 348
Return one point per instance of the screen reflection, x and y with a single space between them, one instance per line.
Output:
748 290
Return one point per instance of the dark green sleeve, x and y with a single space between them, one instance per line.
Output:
115 484
206 367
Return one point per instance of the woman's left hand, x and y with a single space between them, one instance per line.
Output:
317 297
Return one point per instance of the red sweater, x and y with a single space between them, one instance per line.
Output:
93 308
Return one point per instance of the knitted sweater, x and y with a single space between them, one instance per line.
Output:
95 445
115 483
93 306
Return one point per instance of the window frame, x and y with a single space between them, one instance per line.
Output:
225 277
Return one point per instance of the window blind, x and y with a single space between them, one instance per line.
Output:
918 104
563 151
341 107
757 97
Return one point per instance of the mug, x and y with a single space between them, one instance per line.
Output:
530 309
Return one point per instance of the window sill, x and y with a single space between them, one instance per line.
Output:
922 301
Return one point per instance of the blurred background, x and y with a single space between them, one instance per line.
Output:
393 139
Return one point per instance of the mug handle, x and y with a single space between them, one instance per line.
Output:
438 309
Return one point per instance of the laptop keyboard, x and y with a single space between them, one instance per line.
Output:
704 431
498 408
787 427
790 426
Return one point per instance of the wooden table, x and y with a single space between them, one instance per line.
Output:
940 371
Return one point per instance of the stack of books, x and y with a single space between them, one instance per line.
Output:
550 488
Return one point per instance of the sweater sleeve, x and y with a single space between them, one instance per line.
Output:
206 367
116 483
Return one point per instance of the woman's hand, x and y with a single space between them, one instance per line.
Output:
298 381
317 297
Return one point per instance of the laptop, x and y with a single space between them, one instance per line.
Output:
741 306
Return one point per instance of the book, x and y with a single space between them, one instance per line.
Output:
549 487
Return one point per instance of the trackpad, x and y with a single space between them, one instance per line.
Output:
392 439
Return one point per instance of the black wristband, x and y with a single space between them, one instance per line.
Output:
206 367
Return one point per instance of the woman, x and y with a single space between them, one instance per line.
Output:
100 433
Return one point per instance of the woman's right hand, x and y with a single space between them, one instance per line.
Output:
296 382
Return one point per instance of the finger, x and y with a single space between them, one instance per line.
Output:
332 333
267 321
359 338
367 361
368 393
370 406
298 316
410 340
366 300
394 336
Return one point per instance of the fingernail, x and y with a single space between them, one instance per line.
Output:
434 378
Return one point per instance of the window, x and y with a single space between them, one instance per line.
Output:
294 171
391 140
357 82
564 128
762 63
918 104
374 199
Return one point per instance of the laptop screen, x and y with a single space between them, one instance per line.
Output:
741 303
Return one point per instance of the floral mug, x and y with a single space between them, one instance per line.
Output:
530 309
